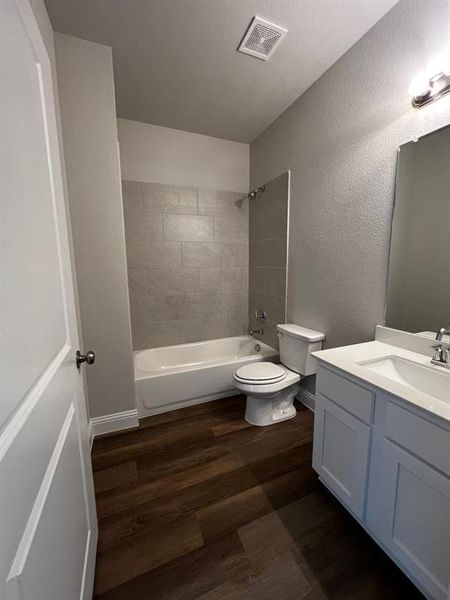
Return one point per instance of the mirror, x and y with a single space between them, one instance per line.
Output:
418 291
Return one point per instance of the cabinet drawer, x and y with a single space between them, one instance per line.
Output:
422 438
353 397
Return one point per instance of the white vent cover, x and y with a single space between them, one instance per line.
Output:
262 38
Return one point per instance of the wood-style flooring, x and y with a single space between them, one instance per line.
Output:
198 504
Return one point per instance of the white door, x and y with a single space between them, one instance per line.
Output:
48 526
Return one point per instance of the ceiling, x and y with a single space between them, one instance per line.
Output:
176 64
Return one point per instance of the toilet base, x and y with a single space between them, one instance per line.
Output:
263 410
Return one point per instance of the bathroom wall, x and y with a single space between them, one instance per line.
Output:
268 220
89 128
187 252
339 141
165 155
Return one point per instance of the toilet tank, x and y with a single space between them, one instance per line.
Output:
296 345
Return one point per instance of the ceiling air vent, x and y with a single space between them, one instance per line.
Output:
262 38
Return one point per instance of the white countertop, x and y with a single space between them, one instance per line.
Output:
347 358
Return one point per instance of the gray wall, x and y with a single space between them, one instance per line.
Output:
164 155
339 140
187 252
268 217
89 128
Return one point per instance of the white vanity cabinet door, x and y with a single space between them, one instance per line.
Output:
414 518
341 453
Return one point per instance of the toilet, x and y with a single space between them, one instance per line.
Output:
271 388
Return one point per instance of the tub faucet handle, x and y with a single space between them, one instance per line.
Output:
256 331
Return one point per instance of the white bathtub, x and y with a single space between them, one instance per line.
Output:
173 377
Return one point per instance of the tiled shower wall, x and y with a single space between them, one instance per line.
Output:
187 252
268 222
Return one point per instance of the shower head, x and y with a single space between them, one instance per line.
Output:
256 191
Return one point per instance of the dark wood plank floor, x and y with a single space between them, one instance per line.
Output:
198 504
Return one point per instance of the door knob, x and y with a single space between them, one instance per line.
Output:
88 358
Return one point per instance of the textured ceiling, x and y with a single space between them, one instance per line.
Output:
176 64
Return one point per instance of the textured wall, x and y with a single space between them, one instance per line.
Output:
187 251
340 140
268 216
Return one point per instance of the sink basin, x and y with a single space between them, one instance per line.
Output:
427 380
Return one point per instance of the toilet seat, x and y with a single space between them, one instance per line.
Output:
260 373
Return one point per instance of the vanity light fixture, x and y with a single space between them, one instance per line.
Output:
425 88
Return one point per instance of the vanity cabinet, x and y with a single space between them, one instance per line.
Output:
341 454
414 517
389 464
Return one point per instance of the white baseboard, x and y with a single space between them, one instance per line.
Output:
307 398
114 422
90 433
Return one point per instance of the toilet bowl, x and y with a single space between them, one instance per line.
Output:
271 388
270 391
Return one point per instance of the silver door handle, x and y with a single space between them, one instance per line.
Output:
88 358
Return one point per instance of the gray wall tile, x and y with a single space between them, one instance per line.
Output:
268 226
136 282
170 198
234 255
143 225
202 254
188 266
170 282
189 260
271 335
230 228
143 254
231 303
148 309
188 227
222 280
185 307
212 202
268 214
164 333
275 281
268 211
187 330
274 307
132 194
256 280
268 253
140 337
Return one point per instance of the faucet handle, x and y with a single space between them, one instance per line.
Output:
437 352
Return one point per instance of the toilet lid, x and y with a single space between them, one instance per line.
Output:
260 372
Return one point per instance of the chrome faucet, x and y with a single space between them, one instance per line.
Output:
256 331
441 350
